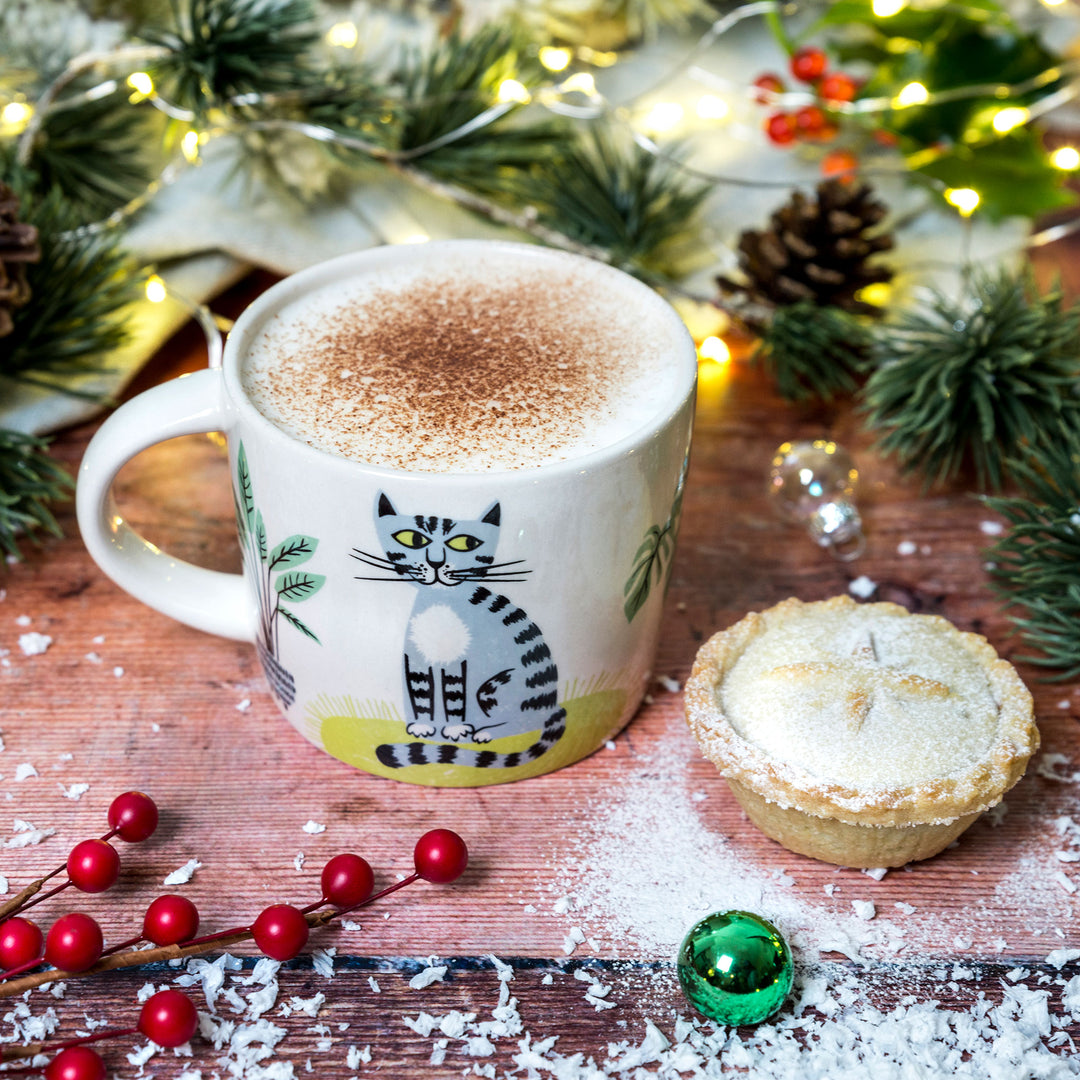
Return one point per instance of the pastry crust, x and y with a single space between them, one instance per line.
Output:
957 795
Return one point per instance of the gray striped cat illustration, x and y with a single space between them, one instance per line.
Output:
474 662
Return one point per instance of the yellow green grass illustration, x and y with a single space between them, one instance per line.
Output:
350 729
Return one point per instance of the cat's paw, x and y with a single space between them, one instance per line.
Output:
481 736
454 732
420 731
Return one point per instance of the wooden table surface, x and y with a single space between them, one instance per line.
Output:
627 846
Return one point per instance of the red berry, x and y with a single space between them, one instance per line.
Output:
93 866
281 931
347 880
769 85
780 128
808 64
168 1018
170 920
440 856
838 86
886 138
76 1063
810 120
134 816
20 942
74 942
840 163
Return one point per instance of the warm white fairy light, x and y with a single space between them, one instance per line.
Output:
189 146
912 94
581 82
141 83
663 116
1066 158
343 35
155 289
15 115
512 90
1013 117
415 238
964 199
711 107
885 9
555 59
715 349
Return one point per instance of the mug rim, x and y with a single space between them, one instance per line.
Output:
253 317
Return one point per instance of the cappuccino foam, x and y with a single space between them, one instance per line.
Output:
493 363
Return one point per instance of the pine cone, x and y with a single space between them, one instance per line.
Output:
816 249
18 247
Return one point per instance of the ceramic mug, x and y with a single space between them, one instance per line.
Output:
447 677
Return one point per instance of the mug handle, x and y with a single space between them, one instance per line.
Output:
209 600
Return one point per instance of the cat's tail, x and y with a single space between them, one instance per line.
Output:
402 755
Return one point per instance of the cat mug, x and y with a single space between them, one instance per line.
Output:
458 471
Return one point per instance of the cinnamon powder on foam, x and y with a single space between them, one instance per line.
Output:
443 374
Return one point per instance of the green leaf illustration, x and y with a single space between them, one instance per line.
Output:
245 495
648 564
293 551
298 624
260 534
297 587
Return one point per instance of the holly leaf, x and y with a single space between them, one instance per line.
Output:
1012 176
917 22
293 551
297 587
291 618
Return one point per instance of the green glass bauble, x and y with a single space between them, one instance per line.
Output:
735 967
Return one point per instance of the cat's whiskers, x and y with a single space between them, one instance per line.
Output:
372 560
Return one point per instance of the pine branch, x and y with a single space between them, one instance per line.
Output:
79 288
453 84
222 49
976 382
619 198
28 480
97 153
814 352
1036 564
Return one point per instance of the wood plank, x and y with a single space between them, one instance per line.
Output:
648 818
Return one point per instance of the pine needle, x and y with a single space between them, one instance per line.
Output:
1036 564
28 480
220 50
97 153
619 198
976 382
453 84
79 289
814 352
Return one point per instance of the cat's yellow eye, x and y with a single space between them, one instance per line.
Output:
463 542
410 538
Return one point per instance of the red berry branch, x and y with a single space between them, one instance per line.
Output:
816 123
74 944
93 865
167 1018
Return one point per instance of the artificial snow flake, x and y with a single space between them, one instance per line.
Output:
313 827
427 976
184 874
862 587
